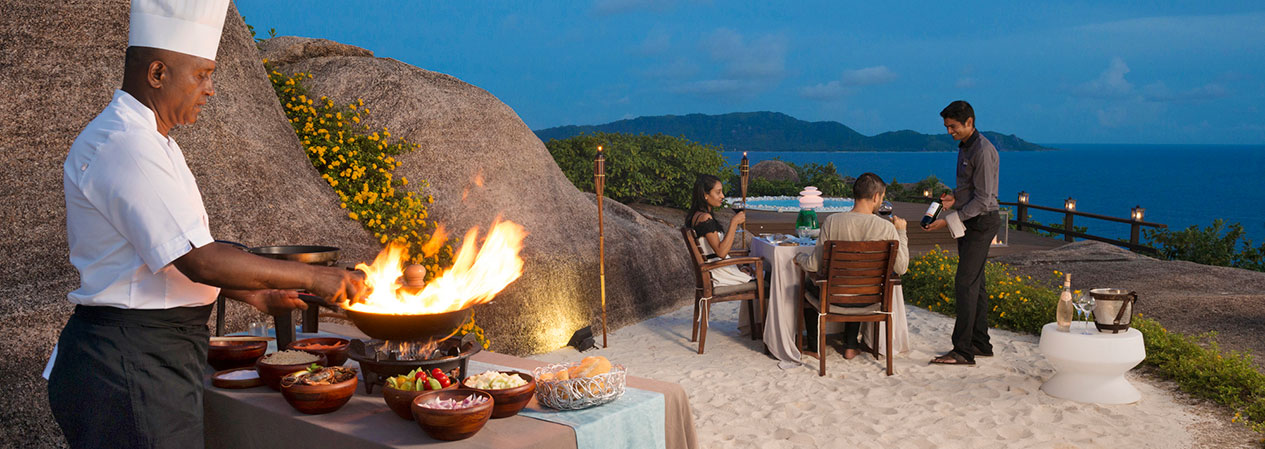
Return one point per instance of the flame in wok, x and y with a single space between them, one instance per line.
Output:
475 278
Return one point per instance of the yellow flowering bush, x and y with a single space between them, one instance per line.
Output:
1015 302
358 163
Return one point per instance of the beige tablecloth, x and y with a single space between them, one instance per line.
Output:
261 418
779 322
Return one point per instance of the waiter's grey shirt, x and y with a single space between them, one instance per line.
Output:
976 192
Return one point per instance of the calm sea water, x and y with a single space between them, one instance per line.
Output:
1179 185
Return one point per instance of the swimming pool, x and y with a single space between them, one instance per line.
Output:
791 204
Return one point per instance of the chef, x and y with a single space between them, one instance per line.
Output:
129 365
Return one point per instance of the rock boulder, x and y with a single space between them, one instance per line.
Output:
481 162
774 171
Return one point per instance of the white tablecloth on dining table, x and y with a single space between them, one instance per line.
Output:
782 309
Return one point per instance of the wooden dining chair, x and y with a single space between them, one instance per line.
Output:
854 282
705 294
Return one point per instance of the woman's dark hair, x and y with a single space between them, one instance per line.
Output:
698 200
958 110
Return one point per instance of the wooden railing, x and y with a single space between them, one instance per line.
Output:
1135 222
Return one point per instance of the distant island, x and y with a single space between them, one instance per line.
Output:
775 131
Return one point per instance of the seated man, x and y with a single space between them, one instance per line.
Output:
858 225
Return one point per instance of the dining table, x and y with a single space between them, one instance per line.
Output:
782 302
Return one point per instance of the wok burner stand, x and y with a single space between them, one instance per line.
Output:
376 369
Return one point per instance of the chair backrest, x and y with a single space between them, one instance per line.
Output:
696 253
857 272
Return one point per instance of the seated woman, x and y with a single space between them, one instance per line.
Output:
712 237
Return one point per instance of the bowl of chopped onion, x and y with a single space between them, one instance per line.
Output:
452 414
511 390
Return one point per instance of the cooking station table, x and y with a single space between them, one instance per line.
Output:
260 418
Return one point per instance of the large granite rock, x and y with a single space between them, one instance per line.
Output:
60 65
1186 297
774 171
482 161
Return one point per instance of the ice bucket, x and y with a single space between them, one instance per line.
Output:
1113 309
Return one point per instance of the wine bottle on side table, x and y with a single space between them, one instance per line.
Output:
1064 311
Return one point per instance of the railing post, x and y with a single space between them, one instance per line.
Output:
1022 210
1136 216
1070 205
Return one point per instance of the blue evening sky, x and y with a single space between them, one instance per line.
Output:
1051 72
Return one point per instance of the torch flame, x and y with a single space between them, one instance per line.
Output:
475 278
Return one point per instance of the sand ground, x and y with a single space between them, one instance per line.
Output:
740 397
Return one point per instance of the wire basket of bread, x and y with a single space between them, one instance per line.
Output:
573 386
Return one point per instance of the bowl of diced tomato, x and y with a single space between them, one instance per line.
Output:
399 391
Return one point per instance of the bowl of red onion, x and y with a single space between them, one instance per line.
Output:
452 414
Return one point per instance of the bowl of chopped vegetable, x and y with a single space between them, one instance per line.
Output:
274 366
334 349
399 391
319 389
454 414
511 390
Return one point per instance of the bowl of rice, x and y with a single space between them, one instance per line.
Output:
272 367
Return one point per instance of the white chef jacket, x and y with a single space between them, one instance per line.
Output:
132 207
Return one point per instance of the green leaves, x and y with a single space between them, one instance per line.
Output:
1217 244
656 169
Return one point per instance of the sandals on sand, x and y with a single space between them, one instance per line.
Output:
952 358
979 353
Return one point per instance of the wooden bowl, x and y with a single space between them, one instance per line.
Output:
336 356
224 355
318 399
272 374
509 401
401 401
451 425
221 380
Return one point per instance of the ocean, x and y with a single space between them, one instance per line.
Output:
1178 185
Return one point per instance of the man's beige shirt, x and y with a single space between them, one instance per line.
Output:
857 227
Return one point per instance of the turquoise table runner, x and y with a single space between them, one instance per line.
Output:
636 419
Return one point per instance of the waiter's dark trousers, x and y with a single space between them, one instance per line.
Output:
970 331
131 378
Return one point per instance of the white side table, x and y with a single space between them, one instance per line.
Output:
1090 368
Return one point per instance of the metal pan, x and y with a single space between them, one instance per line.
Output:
309 254
409 327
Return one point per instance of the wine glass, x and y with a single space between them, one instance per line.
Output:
885 210
1085 304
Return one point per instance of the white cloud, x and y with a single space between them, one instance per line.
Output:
1109 84
657 41
965 82
762 57
868 76
1158 91
607 7
678 69
847 83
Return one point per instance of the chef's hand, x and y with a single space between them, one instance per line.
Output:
947 200
337 284
936 225
899 223
271 301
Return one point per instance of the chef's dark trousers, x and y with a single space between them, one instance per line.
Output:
970 331
131 378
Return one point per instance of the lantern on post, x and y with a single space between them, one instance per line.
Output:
1022 210
1136 215
599 184
744 173
1070 205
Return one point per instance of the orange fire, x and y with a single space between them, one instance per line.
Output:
475 278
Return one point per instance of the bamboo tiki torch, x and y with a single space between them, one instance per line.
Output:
744 172
599 184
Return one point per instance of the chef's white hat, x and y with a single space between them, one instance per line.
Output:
187 26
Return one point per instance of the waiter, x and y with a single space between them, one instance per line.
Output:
129 365
974 221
